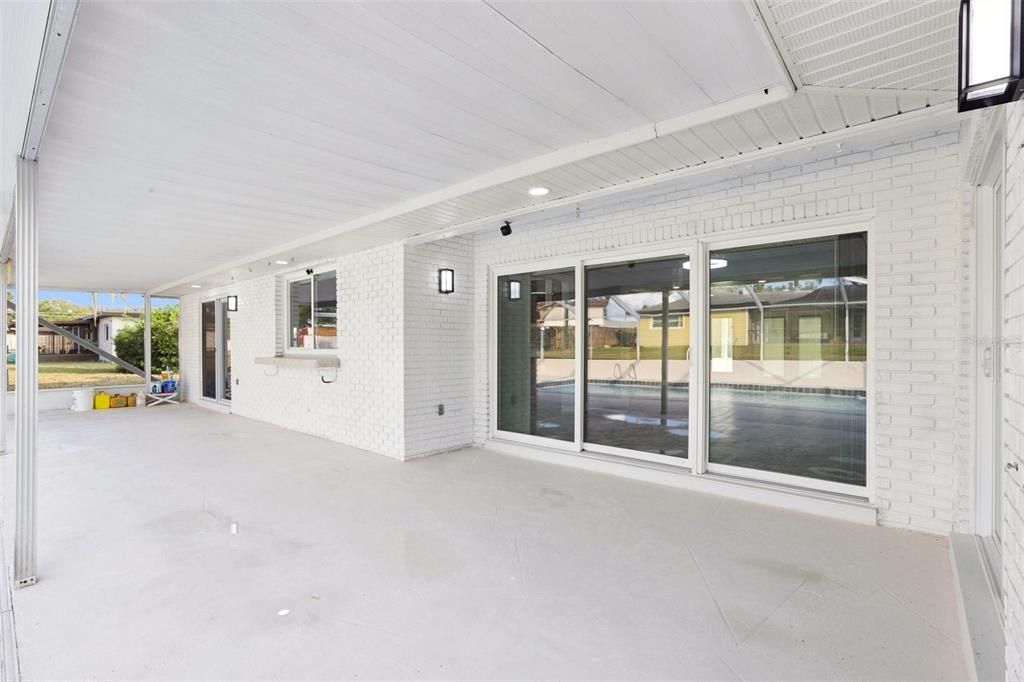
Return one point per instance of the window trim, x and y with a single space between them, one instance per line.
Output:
285 326
698 249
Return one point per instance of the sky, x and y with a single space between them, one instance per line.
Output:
104 300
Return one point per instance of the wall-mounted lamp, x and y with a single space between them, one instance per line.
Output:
991 56
232 304
514 289
446 280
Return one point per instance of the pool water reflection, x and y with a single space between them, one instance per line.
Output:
815 435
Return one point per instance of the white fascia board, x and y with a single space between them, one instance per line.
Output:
513 172
877 92
763 18
59 23
930 116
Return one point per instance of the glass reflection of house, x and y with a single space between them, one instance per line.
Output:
791 320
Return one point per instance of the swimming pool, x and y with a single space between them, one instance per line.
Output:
816 435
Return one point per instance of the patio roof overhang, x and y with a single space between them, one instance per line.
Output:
231 137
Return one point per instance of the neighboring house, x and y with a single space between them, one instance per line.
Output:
100 329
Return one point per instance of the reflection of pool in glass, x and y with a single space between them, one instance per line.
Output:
804 434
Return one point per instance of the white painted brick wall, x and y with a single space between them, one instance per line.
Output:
913 189
405 348
1013 387
363 406
438 348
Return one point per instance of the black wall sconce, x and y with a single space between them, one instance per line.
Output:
232 304
991 59
446 280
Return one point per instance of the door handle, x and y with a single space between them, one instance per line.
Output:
1012 466
986 362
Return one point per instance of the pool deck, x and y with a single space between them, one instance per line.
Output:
467 565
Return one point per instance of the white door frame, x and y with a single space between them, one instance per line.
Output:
989 198
697 248
220 315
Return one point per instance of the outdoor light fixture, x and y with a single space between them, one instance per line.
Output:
991 60
281 262
514 289
539 191
713 263
232 304
196 286
446 280
506 229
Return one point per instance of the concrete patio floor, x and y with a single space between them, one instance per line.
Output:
469 565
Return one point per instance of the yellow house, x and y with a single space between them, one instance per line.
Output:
733 325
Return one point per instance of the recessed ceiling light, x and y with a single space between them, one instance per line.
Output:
539 191
713 263
281 262
196 286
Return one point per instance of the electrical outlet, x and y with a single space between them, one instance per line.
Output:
440 410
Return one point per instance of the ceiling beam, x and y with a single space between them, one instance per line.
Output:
59 23
875 92
762 16
933 116
517 171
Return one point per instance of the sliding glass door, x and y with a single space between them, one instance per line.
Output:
757 370
536 335
216 350
788 391
638 346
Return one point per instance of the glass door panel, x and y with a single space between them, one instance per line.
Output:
209 350
216 350
788 358
536 352
225 355
637 366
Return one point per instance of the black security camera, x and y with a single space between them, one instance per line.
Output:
506 229
309 271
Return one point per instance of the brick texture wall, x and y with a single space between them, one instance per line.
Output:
404 349
438 348
912 189
1013 387
362 406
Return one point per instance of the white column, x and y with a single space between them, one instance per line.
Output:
147 339
26 373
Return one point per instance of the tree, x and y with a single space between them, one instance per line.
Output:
130 341
53 309
59 309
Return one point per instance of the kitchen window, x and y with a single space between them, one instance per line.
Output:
312 310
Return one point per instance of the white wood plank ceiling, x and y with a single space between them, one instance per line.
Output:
888 44
194 142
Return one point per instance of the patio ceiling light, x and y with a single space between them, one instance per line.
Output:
446 280
197 286
281 262
713 263
991 60
539 191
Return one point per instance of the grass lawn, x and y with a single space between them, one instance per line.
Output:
72 374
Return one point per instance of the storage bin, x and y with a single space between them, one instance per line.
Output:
82 400
101 401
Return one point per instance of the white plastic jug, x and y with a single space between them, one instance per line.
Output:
81 400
